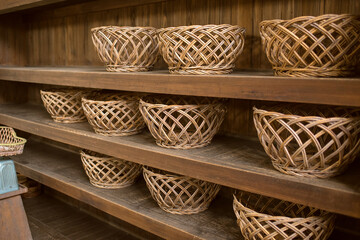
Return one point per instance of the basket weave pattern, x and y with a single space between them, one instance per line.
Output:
267 218
179 194
208 49
113 114
126 49
182 122
323 46
10 144
310 144
109 172
64 105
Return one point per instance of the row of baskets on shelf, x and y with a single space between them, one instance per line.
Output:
301 140
321 46
259 217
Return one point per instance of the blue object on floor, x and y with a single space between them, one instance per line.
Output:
8 179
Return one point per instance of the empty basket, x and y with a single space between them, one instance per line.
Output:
126 49
10 144
64 105
208 49
262 217
114 114
323 46
179 194
109 172
182 122
309 141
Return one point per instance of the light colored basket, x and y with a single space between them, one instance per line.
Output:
182 122
64 105
208 49
114 114
10 144
179 194
267 218
323 46
126 49
311 142
109 172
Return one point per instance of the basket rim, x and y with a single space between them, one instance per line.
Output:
174 176
123 28
258 110
324 215
13 133
94 101
143 102
64 90
87 153
165 29
301 18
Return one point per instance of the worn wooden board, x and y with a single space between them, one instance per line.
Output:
234 162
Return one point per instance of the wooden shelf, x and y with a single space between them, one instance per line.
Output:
62 171
7 6
233 162
242 85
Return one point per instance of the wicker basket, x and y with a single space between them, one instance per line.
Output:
109 172
64 105
208 49
10 144
126 49
114 114
182 122
179 194
267 218
323 46
311 142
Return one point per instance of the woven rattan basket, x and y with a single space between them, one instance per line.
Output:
323 46
267 218
126 49
182 122
208 49
309 141
114 114
10 144
109 172
64 105
179 194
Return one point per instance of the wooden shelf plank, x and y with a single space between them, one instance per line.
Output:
241 85
233 162
7 6
63 171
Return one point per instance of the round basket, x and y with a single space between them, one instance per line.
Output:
323 46
262 217
208 49
10 144
126 49
64 105
182 122
179 194
109 172
114 114
310 142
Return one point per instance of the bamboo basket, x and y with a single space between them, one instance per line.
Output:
309 141
322 46
207 49
114 114
126 49
182 122
109 172
179 194
64 105
267 218
10 144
